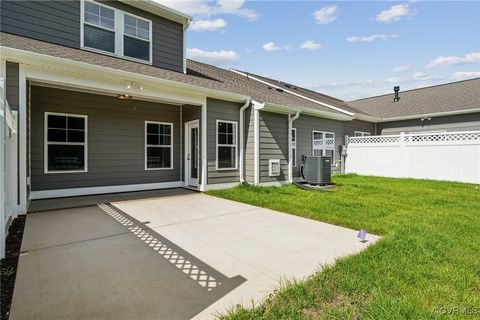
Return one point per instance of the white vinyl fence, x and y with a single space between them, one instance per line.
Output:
452 156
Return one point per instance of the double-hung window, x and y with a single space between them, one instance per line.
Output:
65 142
294 147
158 145
361 134
116 32
136 39
323 144
99 27
226 145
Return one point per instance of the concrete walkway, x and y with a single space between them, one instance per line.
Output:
164 256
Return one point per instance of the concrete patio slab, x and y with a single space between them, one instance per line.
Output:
174 256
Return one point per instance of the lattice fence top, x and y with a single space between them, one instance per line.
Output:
418 138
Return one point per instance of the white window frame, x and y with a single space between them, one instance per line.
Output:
46 143
324 146
362 134
158 145
235 144
294 147
119 31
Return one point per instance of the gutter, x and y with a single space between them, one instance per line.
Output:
434 114
290 159
242 140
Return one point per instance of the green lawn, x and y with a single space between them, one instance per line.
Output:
429 256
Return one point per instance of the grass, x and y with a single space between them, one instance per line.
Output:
427 262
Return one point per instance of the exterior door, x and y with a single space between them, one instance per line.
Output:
192 153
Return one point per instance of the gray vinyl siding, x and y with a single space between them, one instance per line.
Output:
358 125
249 135
58 22
305 126
273 136
50 21
116 137
190 113
12 89
220 110
461 122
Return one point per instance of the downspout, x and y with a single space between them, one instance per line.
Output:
242 140
290 159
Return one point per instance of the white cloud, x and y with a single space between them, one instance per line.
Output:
325 15
402 68
207 8
395 13
310 45
271 46
213 57
454 61
208 25
372 38
464 75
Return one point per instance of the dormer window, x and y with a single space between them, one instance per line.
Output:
113 31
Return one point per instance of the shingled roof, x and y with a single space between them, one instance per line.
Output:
456 96
198 74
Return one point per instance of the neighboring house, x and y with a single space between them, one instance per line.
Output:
446 107
106 102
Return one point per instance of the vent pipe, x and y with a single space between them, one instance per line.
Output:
396 89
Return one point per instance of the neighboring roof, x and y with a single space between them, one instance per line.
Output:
450 97
198 74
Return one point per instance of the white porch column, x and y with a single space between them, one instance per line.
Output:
22 138
2 158
203 126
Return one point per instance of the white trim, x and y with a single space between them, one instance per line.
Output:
46 142
433 114
161 10
256 146
22 137
60 193
118 31
59 71
158 146
218 186
3 222
235 144
203 128
187 173
290 143
273 183
294 93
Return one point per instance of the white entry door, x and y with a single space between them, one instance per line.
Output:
191 153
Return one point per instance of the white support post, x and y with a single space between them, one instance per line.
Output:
290 152
256 141
2 158
203 126
22 138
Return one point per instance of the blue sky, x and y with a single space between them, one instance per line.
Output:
346 49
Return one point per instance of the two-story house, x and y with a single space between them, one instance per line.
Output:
106 101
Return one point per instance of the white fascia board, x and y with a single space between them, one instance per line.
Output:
316 113
55 63
294 93
160 10
433 114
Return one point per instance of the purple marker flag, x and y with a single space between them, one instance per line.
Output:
362 234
